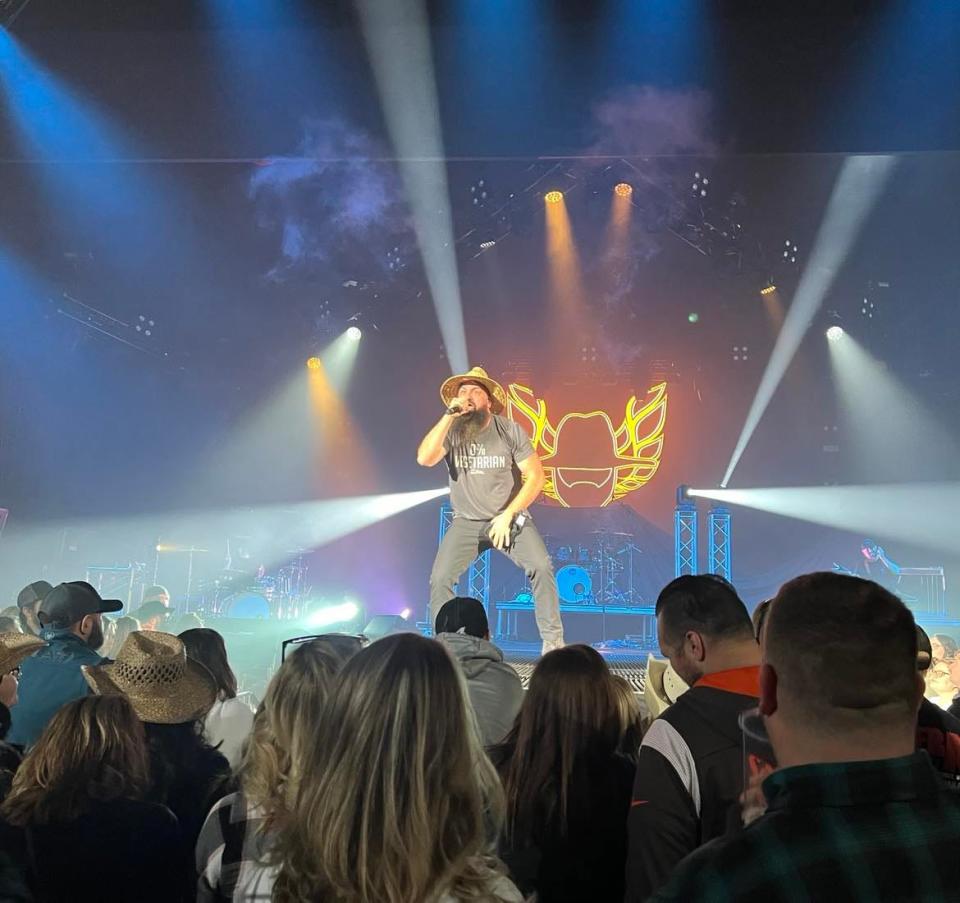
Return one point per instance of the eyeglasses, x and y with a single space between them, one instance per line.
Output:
349 643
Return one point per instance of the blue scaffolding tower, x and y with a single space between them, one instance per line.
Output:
718 527
685 525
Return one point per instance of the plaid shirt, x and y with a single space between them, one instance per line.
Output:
849 831
230 853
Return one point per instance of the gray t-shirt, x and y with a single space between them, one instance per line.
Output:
484 476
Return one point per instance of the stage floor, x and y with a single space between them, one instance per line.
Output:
627 662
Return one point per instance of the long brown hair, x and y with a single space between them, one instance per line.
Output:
397 798
570 710
207 647
92 751
287 722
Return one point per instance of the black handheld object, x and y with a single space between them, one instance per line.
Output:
454 409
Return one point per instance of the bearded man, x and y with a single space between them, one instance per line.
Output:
494 476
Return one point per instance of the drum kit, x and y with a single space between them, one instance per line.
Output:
254 593
597 573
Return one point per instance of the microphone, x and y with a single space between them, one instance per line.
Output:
454 408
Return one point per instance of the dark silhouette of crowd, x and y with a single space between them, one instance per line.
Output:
803 754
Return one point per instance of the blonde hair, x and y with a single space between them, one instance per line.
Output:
399 803
287 723
92 751
631 715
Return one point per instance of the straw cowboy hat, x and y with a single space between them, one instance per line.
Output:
15 647
152 670
663 686
450 387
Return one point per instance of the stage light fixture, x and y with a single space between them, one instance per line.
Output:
314 363
835 333
769 288
553 197
623 189
740 352
693 317
700 185
354 333
790 252
487 245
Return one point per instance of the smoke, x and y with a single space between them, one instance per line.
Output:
335 204
642 121
656 131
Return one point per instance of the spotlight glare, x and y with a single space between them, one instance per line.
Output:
693 317
623 189
553 197
334 614
768 289
354 333
314 363
405 614
835 333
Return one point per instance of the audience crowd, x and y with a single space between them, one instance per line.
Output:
808 752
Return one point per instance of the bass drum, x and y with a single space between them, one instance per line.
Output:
574 584
249 604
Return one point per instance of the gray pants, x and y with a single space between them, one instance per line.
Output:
466 539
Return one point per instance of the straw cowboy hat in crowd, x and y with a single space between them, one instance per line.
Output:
14 648
450 387
152 670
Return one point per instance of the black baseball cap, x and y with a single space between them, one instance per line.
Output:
33 593
70 602
463 614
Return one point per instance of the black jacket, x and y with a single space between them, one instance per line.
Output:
119 851
586 861
689 777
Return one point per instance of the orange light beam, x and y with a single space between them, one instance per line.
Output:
340 450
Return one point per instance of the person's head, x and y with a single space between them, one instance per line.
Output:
759 616
569 710
395 801
631 716
839 678
156 593
475 402
153 671
924 650
463 614
703 626
287 722
77 607
207 647
943 646
953 669
14 648
28 605
152 615
92 751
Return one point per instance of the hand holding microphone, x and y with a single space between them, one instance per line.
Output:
455 410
